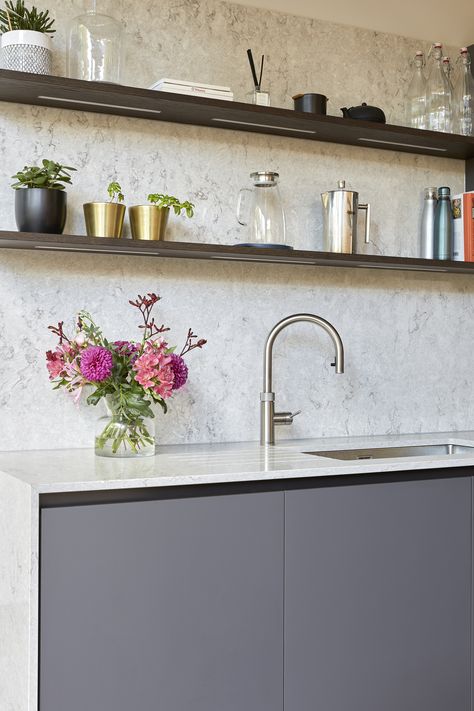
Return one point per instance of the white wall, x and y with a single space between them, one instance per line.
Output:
433 22
408 337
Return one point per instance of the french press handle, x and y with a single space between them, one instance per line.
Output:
366 207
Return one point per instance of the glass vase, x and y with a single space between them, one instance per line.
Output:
121 434
94 51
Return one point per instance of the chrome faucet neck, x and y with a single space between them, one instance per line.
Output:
268 417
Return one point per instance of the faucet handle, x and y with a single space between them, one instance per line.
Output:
285 418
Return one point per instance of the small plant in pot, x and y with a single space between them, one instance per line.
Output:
105 219
26 38
150 221
40 197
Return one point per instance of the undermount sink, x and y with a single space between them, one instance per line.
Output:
394 452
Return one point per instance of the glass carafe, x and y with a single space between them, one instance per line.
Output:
261 210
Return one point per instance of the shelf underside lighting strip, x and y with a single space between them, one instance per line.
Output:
98 103
405 145
263 125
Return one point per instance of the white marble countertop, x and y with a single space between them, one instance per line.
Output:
68 470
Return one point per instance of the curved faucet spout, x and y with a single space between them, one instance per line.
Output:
268 417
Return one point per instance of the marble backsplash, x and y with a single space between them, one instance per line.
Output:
408 337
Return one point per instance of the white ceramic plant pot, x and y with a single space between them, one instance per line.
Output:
26 51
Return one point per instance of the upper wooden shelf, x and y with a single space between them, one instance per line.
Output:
24 88
227 253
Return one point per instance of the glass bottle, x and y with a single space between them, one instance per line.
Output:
448 72
443 226
415 102
427 223
94 50
438 93
463 93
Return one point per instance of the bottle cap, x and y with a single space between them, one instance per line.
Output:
464 50
437 45
418 53
431 193
444 192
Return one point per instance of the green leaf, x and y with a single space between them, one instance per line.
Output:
50 175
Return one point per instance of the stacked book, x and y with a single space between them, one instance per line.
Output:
210 91
463 212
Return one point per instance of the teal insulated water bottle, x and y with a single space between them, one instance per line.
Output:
443 226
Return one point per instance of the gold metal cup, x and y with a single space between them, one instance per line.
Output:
148 221
104 219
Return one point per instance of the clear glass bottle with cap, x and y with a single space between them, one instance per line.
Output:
415 102
443 226
464 95
438 93
448 70
94 49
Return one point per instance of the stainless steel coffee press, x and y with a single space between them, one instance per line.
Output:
340 209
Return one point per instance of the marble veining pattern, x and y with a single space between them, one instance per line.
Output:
407 336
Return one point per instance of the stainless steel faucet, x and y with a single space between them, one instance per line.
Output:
268 417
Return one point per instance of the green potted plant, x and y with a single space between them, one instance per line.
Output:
105 219
40 197
26 38
150 221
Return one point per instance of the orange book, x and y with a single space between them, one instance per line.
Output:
463 213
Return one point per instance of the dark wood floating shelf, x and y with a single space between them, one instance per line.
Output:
60 92
193 250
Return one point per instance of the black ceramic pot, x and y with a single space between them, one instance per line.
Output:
311 103
40 210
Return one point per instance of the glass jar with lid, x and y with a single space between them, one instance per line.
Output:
260 209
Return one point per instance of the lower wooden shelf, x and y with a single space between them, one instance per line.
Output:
196 250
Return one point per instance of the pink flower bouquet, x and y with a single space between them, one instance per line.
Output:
129 375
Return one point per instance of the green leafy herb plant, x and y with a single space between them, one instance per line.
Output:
162 201
50 174
15 16
115 192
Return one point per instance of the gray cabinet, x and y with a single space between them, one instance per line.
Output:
378 597
163 605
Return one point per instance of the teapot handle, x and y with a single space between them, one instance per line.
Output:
366 207
243 207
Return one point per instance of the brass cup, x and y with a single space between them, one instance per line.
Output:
148 221
104 219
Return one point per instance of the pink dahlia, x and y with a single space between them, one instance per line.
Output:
96 363
180 370
153 370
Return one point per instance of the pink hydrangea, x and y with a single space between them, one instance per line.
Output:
153 370
96 363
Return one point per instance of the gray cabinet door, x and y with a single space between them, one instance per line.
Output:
164 605
377 597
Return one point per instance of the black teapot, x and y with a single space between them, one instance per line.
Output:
364 113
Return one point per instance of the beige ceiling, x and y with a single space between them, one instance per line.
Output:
434 20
